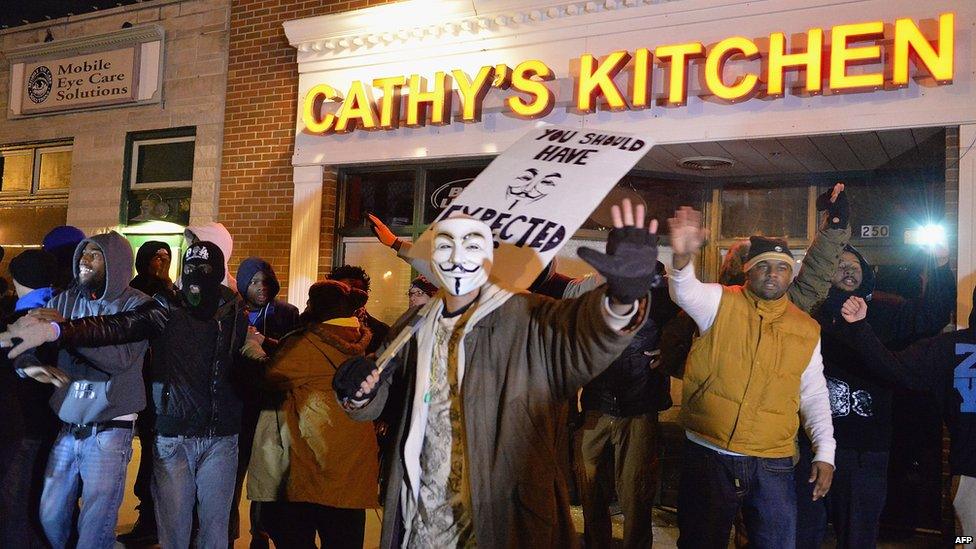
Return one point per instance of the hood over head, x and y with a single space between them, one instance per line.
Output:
147 252
837 297
118 262
219 235
252 266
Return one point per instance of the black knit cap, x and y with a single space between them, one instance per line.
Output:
147 252
34 269
330 299
762 248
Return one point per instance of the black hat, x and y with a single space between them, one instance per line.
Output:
34 269
762 248
147 252
330 299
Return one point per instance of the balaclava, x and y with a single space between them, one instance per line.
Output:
203 271
462 254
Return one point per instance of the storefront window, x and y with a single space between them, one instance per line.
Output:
661 198
443 185
770 211
28 170
16 167
387 195
159 175
55 169
389 276
166 162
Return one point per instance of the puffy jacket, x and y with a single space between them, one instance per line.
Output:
195 363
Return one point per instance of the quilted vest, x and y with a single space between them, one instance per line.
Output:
741 387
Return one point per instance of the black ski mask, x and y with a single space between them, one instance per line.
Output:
203 271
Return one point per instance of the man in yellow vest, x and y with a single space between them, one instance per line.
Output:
752 375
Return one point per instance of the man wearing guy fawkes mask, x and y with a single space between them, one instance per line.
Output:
472 463
197 339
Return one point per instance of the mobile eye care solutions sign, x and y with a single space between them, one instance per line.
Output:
120 68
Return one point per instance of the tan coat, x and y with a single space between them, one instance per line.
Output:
308 449
522 361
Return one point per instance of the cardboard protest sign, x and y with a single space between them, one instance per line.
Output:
536 194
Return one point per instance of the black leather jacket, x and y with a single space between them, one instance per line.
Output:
195 363
630 387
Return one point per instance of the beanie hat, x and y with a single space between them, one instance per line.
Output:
330 299
762 248
424 285
147 252
34 269
63 236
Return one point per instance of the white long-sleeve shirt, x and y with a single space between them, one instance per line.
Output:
701 302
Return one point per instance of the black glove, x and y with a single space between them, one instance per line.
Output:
838 211
630 264
353 372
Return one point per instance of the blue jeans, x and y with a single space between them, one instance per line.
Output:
95 466
188 471
714 486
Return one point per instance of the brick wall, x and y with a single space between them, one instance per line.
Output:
262 93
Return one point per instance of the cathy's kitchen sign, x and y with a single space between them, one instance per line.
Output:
96 72
855 57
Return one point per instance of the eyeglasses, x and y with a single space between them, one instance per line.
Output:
413 292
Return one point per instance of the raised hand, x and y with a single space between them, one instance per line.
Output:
381 231
854 309
687 235
835 203
629 265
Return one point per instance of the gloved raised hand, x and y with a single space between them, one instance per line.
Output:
838 208
631 259
358 378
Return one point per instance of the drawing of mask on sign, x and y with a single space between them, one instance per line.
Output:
462 254
532 185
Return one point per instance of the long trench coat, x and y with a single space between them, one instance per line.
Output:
522 362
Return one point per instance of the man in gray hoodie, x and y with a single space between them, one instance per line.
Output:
99 394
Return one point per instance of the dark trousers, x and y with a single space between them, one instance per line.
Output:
853 505
714 486
143 486
249 422
620 452
294 525
20 494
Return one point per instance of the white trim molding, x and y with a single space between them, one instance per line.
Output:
303 261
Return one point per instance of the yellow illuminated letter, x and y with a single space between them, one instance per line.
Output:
438 100
640 92
390 104
473 93
597 79
358 106
811 61
841 55
311 108
542 99
715 65
679 54
909 39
